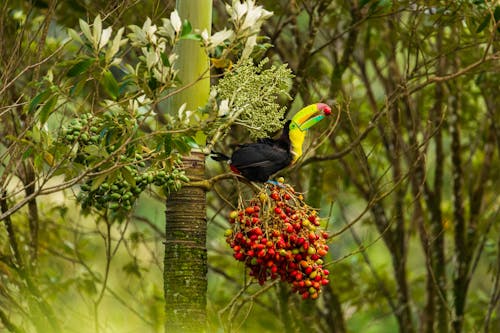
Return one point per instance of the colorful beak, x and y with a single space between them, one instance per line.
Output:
310 115
311 122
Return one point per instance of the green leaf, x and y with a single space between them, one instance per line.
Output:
191 142
77 88
40 98
38 162
28 153
98 181
35 134
191 37
483 24
75 36
186 28
181 145
164 59
80 67
109 84
200 138
47 108
127 175
168 144
93 150
86 30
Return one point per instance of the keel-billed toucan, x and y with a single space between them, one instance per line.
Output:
258 161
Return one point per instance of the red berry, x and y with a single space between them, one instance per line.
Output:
249 210
275 196
257 231
322 252
278 210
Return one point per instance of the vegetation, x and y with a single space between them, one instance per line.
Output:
99 127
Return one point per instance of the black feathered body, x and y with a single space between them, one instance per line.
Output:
260 160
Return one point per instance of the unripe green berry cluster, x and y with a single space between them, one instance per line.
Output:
84 130
130 172
278 235
119 195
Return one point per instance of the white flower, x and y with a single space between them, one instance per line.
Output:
247 16
176 21
223 108
106 34
219 37
167 29
249 45
149 31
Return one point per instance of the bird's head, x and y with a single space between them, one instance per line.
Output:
301 122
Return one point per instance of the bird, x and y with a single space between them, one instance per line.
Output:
258 161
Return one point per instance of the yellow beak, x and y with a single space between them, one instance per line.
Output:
310 116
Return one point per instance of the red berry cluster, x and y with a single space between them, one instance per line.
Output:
278 235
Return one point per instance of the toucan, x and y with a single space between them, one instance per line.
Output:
260 160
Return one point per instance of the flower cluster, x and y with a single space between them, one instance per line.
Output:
278 235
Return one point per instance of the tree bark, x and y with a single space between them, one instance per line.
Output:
185 262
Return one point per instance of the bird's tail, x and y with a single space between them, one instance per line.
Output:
218 156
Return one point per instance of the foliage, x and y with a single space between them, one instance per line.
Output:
407 180
85 108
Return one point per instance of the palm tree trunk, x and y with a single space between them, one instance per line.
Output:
185 262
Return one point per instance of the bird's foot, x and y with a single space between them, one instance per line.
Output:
276 183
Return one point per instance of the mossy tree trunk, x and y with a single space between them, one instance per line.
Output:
185 262
185 272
